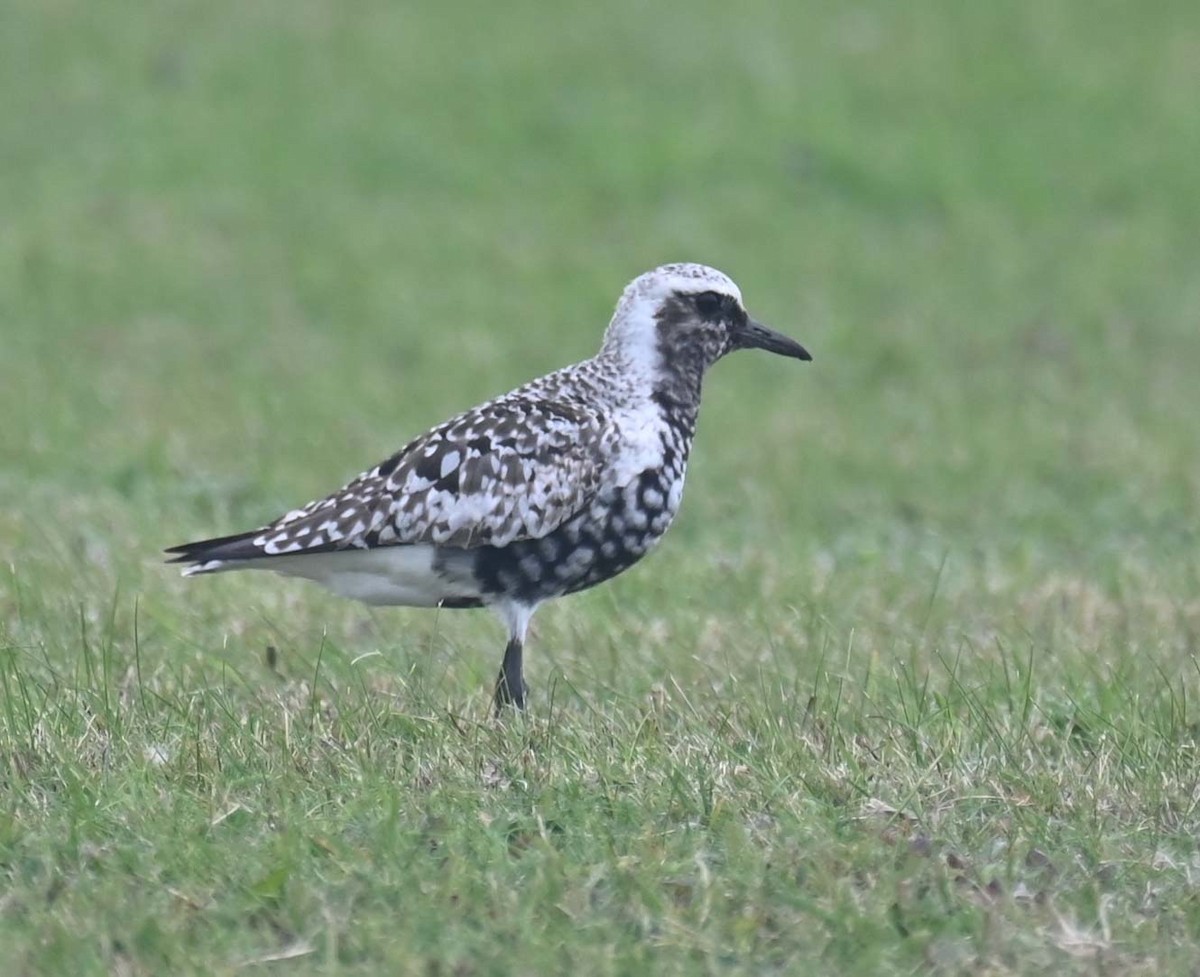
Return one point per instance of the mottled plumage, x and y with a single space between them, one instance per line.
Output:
550 489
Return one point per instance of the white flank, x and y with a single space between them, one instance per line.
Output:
387 575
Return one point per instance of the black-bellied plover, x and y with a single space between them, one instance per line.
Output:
546 491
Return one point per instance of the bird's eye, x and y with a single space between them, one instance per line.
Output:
710 304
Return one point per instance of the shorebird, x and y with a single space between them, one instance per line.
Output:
545 491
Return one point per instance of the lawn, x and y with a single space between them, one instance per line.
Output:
911 686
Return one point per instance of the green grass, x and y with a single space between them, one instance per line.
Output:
911 687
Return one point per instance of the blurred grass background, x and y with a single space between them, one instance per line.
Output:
248 250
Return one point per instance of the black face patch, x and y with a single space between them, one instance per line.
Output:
694 330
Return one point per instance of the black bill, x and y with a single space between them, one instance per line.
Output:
754 335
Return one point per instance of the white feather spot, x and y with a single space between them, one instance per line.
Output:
331 528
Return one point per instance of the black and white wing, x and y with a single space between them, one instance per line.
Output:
513 469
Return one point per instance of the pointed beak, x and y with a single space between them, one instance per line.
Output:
754 335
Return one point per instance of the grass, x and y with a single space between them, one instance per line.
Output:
909 688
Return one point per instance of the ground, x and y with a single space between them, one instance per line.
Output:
911 685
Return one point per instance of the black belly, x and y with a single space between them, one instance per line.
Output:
611 535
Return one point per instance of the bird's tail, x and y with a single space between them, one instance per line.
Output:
212 555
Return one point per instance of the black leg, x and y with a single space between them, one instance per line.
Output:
510 686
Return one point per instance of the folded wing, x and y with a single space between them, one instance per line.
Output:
514 469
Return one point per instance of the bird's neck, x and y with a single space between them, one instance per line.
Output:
678 417
677 386
673 385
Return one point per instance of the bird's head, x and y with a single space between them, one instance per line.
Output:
679 319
